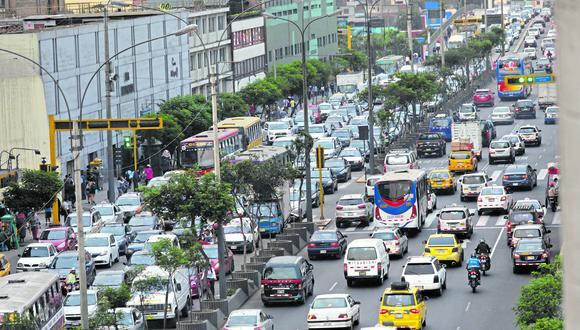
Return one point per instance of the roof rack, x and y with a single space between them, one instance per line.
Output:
523 207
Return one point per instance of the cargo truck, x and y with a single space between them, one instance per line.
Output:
469 132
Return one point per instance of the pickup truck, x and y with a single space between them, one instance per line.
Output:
430 144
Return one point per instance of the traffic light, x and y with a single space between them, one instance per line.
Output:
127 142
319 157
520 80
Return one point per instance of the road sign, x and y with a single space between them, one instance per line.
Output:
530 79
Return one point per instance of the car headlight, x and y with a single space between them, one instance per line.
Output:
61 245
42 265
103 253
168 308
19 265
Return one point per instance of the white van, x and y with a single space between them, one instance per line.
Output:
370 187
366 259
154 305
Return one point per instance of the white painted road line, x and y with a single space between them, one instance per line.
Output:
542 174
496 242
500 221
482 221
495 175
333 286
430 218
467 307
350 229
556 220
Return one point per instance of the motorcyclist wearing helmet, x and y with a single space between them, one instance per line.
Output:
474 264
482 247
71 277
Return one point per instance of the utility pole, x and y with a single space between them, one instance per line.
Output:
108 90
306 124
502 29
410 35
485 14
368 9
81 268
441 39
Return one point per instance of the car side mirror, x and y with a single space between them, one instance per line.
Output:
437 214
345 236
444 265
124 263
113 244
425 242
357 302
310 267
548 231
489 179
550 246
19 255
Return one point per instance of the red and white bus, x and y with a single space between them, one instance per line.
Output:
197 151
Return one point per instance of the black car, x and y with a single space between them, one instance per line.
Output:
362 146
140 223
329 180
488 131
520 175
524 108
287 279
430 144
339 167
530 253
325 243
137 244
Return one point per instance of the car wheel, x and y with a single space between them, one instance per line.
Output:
479 212
303 300
110 261
439 291
357 321
444 285
491 161
461 198
380 280
349 283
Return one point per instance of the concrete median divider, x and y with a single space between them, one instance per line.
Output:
252 275
238 283
294 238
206 319
285 244
303 232
255 266
274 252
310 226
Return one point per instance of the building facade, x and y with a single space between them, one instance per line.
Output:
283 39
144 76
248 50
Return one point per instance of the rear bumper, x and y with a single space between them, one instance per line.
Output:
323 251
285 297
329 324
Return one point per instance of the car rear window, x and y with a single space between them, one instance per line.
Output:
452 215
400 299
329 303
323 236
385 236
397 160
522 217
442 241
351 201
419 269
361 253
460 155
439 175
473 179
281 272
500 145
492 191
527 233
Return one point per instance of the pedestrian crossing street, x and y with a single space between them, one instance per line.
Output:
480 222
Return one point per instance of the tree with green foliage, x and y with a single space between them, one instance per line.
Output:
231 105
263 93
170 258
350 60
540 300
16 321
36 190
142 286
108 300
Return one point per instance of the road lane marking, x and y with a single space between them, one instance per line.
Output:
482 220
333 286
500 221
496 242
495 175
349 229
542 174
540 157
430 218
467 307
556 220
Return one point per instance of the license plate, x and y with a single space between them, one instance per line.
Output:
530 257
322 251
149 317
441 251
362 272
262 229
516 184
233 247
491 200
399 315
348 214
280 291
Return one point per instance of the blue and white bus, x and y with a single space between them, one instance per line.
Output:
401 200
509 65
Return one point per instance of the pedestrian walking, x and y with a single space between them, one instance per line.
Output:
34 226
83 186
148 173
211 277
135 178
21 225
91 191
47 215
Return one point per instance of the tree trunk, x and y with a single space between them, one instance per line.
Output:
166 300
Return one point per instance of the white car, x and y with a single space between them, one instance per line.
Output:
370 187
471 185
274 129
518 144
502 115
72 307
103 248
36 256
243 319
394 239
467 112
494 198
425 273
297 204
541 210
236 239
337 310
318 131
530 52
110 213
354 158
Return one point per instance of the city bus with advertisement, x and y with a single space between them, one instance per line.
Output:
31 300
513 64
197 151
401 200
250 129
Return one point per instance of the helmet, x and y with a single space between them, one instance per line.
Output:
552 184
555 179
473 255
482 240
72 270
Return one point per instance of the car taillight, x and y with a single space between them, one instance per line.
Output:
503 198
509 225
379 268
492 151
300 286
361 206
427 250
385 169
414 212
311 245
455 249
384 311
436 279
479 199
516 255
311 317
345 267
343 316
414 310
339 207
525 176
545 255
377 213
334 244
505 177
397 241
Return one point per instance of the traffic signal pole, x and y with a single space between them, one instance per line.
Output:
134 150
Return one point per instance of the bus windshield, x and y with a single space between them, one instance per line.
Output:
394 190
201 156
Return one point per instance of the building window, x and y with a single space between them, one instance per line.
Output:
269 56
222 54
192 62
203 25
212 24
221 22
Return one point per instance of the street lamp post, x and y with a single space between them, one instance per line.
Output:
302 31
36 152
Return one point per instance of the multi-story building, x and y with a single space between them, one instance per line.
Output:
20 8
248 50
283 39
72 52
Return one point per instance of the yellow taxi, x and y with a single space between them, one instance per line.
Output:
462 161
403 306
444 247
442 180
4 265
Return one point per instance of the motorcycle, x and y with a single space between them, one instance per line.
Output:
472 275
485 262
553 202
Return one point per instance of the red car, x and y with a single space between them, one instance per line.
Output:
484 97
211 250
63 238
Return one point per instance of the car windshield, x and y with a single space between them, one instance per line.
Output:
441 241
419 269
473 179
242 320
527 233
281 272
350 153
75 299
329 303
324 144
350 201
440 123
492 191
342 133
236 229
263 209
359 144
143 259
104 210
278 125
115 230
334 163
398 300
73 221
65 262
211 252
52 235
439 175
394 190
527 130
552 110
334 119
128 201
528 246
460 155
501 110
452 215
35 252
429 137
482 92
499 145
323 236
325 106
108 279
524 103
385 236
533 203
466 109
361 253
142 221
359 121
316 129
397 160
96 241
522 217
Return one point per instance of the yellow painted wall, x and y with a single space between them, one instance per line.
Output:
23 117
